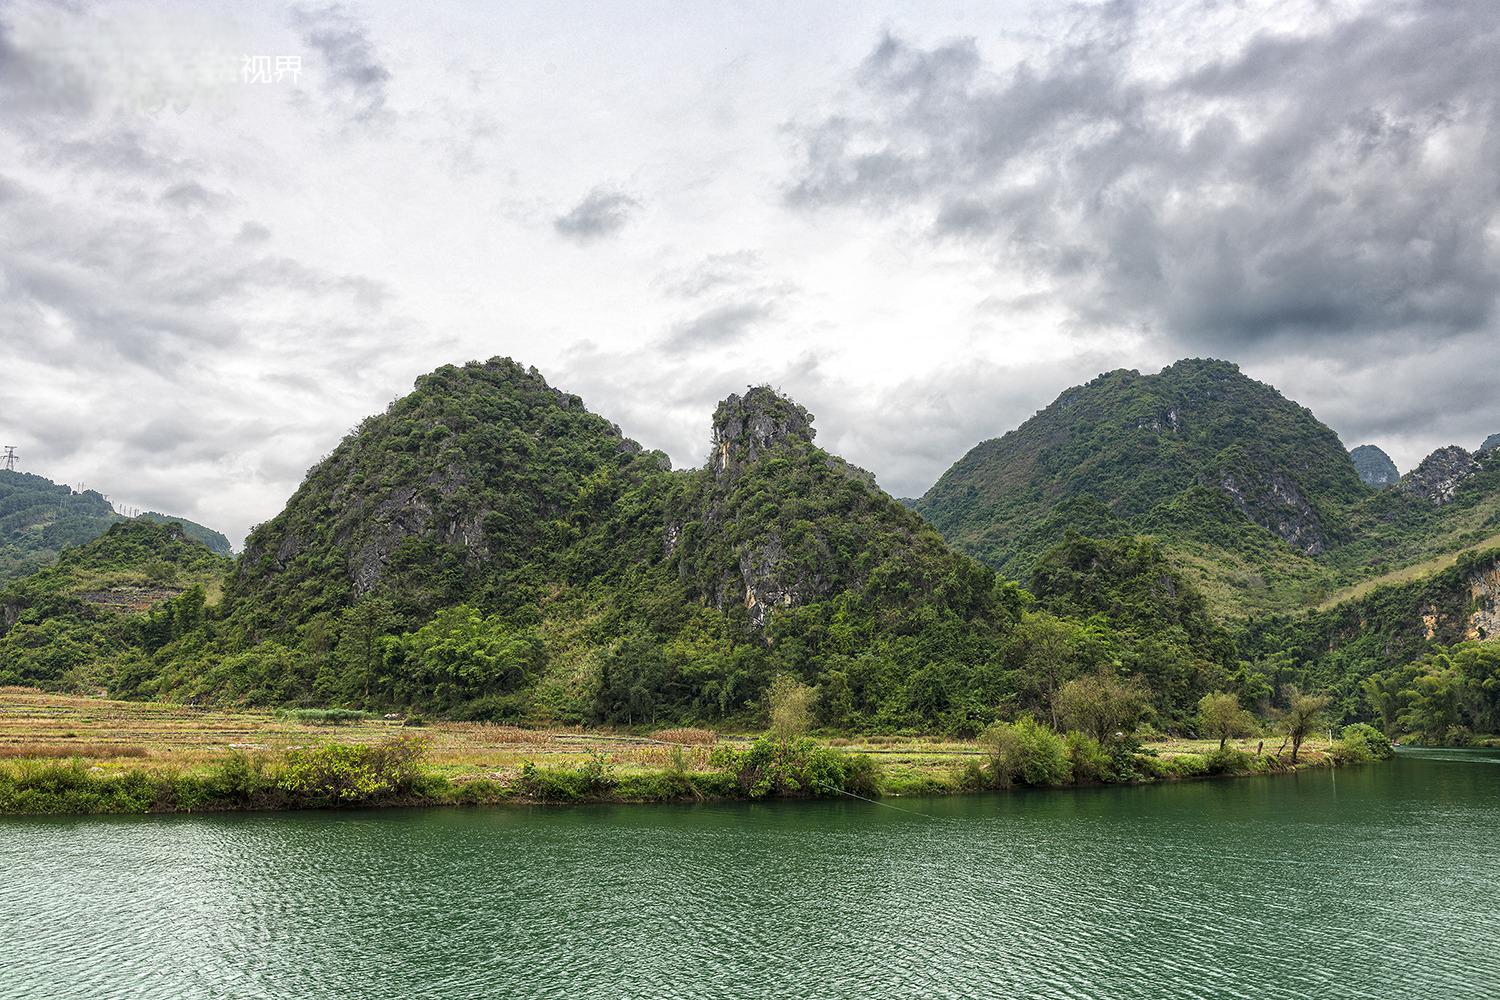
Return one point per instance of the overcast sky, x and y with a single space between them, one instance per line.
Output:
921 220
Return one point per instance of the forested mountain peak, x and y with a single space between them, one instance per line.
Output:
1374 466
1126 451
458 483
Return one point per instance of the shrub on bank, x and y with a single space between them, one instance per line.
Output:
797 768
1025 752
1360 743
35 787
342 774
1228 760
1091 763
239 781
594 779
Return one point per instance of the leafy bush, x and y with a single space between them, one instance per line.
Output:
1227 760
797 768
593 779
1026 751
72 787
1370 739
1089 760
324 716
236 782
1361 744
343 774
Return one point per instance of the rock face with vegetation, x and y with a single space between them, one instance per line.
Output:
1439 475
1374 466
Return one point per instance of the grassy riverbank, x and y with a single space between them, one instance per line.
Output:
61 754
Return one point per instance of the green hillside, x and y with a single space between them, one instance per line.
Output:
88 618
39 518
1246 492
214 540
1416 654
1243 487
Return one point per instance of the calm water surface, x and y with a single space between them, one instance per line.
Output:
1373 882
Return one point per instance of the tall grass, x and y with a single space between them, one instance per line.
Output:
323 716
93 751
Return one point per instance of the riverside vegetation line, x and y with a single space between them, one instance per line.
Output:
66 754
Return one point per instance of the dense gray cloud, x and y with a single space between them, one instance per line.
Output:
602 212
31 83
730 294
1304 192
205 282
718 326
191 195
354 79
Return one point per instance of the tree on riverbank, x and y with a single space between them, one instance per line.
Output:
1102 704
1220 715
1304 712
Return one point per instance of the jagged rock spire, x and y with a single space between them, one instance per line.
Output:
745 427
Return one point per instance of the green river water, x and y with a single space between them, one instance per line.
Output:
1381 881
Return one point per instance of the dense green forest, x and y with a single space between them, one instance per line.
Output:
489 549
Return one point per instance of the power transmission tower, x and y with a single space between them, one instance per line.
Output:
10 458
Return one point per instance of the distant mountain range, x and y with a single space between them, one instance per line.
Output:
1251 496
40 518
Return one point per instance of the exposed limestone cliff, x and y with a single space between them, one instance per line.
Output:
746 427
776 522
1484 595
1273 501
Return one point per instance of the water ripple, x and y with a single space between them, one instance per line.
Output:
1369 883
